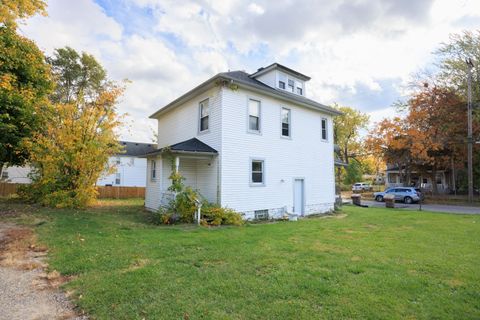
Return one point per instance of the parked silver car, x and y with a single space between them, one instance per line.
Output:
405 194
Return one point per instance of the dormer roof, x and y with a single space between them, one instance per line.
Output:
278 66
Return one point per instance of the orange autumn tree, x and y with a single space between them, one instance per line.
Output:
428 138
437 123
390 141
72 151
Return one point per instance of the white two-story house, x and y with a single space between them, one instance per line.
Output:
251 142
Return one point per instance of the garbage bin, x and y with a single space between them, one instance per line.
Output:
389 200
356 199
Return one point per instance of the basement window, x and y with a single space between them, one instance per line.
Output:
261 214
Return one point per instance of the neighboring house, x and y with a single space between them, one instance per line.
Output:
250 142
423 181
130 168
15 174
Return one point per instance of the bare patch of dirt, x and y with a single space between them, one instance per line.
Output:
28 291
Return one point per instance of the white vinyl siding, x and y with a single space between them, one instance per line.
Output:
285 159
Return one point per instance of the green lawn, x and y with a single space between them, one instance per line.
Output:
370 264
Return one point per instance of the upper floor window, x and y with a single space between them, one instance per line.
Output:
299 91
281 85
324 129
118 160
117 178
285 122
291 85
204 115
153 174
253 115
257 172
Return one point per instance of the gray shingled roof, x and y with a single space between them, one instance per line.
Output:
192 145
244 79
135 149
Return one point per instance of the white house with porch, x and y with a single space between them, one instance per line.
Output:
251 142
418 180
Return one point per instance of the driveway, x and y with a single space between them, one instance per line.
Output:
428 207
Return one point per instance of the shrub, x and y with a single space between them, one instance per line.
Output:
215 215
185 204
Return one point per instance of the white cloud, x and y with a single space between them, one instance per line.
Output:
255 8
345 46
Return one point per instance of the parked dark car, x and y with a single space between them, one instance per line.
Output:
405 194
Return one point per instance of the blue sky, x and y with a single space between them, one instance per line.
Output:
359 53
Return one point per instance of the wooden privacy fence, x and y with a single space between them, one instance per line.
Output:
121 192
7 189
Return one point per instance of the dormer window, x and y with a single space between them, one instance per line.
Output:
291 85
299 91
281 85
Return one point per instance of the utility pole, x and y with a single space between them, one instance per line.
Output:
469 133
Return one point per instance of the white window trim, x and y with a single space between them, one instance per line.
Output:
200 116
259 131
264 176
289 137
326 129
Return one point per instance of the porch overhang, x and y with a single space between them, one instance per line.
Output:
191 147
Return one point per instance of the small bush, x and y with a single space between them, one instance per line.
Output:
216 215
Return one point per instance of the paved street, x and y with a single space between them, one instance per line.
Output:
428 207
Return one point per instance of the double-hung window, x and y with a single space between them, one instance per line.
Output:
117 178
291 85
153 174
257 176
299 91
281 85
285 122
204 115
254 115
324 129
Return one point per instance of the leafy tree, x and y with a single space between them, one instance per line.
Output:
353 172
452 56
13 10
427 138
346 131
72 151
77 76
25 83
453 71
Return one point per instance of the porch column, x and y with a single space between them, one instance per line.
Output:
177 163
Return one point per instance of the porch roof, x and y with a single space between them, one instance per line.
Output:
192 146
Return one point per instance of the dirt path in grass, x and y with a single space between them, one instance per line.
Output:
26 290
